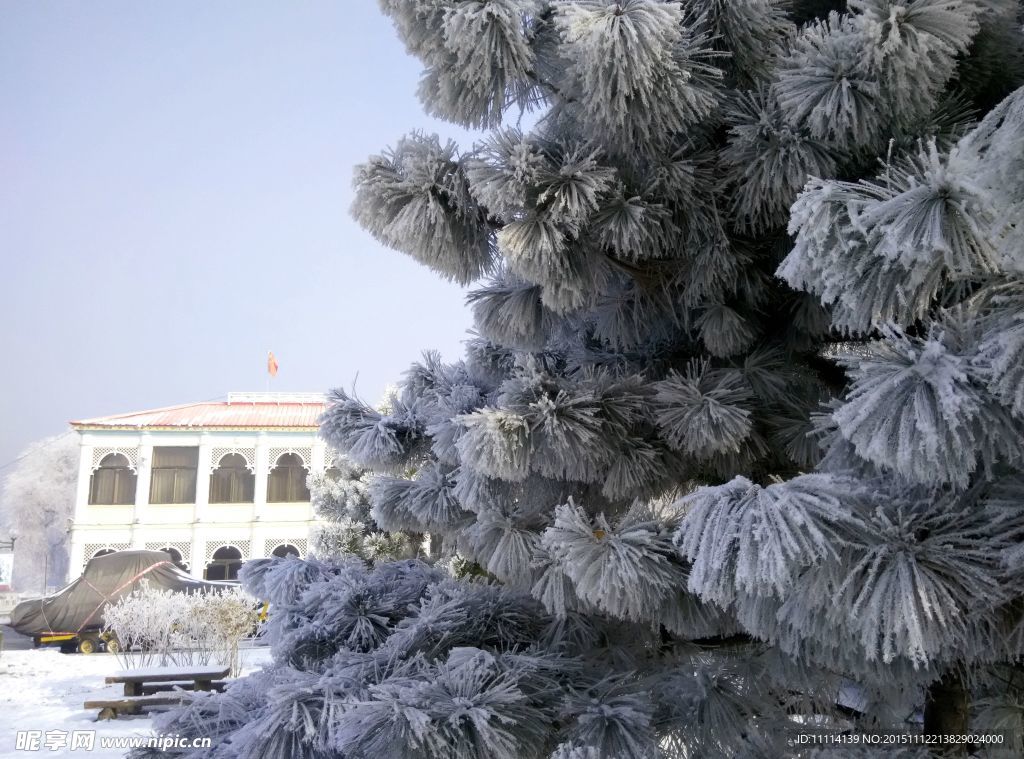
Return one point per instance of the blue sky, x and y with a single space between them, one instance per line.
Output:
176 178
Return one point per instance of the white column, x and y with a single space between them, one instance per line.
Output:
81 512
198 565
84 481
140 512
257 542
76 559
145 469
263 464
203 478
319 463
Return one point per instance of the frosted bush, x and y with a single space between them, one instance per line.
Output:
158 627
228 617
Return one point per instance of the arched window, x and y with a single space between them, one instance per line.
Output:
175 555
285 550
103 552
112 483
227 560
332 473
231 481
287 481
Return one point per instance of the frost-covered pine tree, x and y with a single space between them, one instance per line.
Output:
740 441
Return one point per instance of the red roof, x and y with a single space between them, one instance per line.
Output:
240 410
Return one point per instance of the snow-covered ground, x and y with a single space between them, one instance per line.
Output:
43 690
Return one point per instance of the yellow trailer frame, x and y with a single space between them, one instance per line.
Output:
56 638
84 643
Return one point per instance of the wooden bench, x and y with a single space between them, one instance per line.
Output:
157 686
112 707
149 689
135 679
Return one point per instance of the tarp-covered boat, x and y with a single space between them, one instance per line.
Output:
78 607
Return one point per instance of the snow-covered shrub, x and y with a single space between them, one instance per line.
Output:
147 625
154 626
227 617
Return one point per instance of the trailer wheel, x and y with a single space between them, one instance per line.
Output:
113 647
87 646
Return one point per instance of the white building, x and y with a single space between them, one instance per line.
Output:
213 483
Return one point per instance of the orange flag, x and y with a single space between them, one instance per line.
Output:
271 364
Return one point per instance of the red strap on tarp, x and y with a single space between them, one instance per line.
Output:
106 599
118 589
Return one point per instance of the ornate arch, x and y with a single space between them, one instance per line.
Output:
300 544
132 454
303 452
90 549
184 547
212 544
217 454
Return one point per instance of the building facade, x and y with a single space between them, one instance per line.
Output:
214 483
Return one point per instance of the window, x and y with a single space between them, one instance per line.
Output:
113 483
174 475
287 481
227 560
231 481
175 556
286 550
333 473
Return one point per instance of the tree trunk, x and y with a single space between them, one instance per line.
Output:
436 545
947 712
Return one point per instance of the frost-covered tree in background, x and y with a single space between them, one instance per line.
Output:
36 505
740 441
341 499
